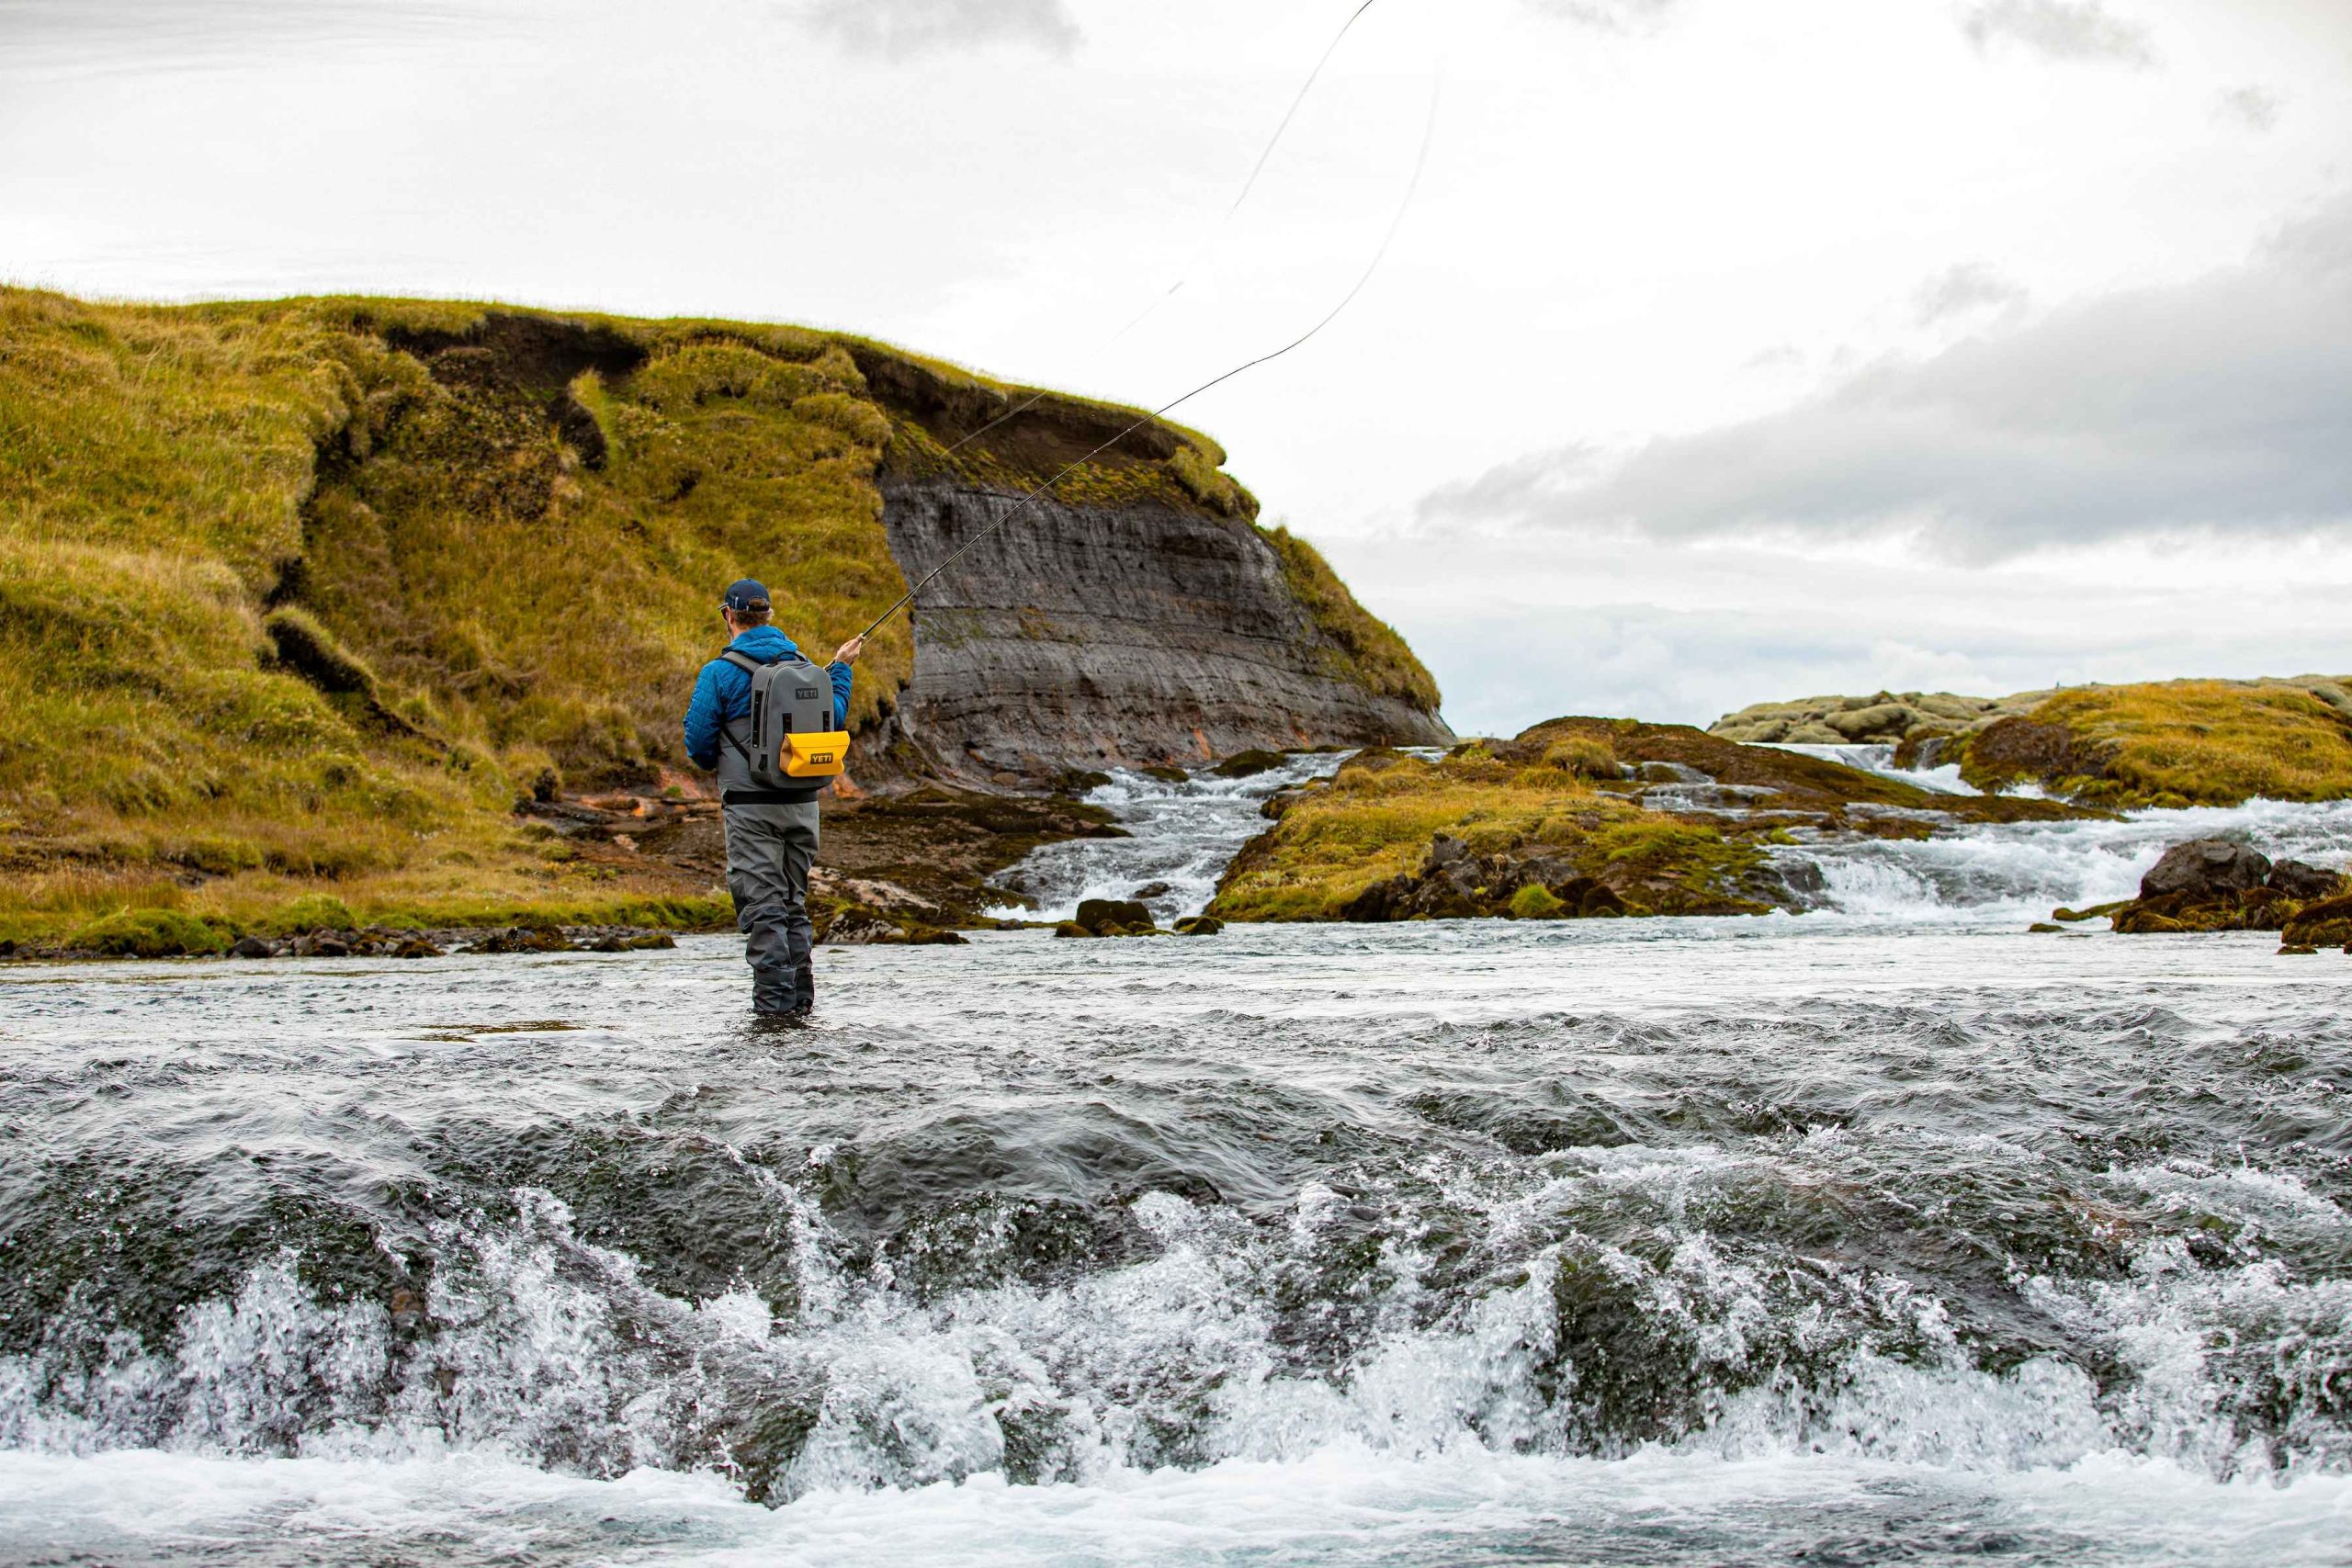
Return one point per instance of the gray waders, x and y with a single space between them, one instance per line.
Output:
770 848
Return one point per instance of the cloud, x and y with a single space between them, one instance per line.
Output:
1959 290
2214 406
901 29
2254 108
2060 29
1611 16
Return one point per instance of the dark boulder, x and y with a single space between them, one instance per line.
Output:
1151 890
2303 882
1199 925
1114 917
254 947
2206 868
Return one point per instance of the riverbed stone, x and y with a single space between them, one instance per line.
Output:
1114 917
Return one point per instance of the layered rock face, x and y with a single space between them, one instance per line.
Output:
1093 636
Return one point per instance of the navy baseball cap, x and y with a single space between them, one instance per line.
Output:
747 595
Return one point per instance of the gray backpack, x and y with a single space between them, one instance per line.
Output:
793 740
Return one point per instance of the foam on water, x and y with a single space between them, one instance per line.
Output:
2023 871
1880 759
1337 1506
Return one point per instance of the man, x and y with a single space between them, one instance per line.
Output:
771 833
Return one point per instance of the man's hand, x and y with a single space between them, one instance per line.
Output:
847 653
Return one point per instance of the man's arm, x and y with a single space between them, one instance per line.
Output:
702 719
842 678
839 670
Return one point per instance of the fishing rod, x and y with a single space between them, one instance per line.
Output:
1184 273
1025 503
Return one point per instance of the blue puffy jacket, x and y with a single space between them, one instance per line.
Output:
723 693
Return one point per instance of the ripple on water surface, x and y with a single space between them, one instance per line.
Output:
1452 1243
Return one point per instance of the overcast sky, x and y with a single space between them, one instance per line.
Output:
1726 352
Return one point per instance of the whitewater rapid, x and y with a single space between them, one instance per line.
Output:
1853 1237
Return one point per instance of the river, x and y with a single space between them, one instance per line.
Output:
1893 1233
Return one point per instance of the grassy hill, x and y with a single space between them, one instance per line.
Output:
298 597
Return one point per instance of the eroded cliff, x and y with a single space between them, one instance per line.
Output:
1093 636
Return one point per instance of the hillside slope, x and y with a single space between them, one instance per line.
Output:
299 596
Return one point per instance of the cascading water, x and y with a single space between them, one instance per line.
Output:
1182 833
1880 759
1792 1240
2026 870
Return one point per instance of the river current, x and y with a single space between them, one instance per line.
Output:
1888 1235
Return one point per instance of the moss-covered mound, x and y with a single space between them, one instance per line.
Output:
2168 743
304 594
2172 744
1574 817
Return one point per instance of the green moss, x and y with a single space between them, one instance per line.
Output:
147 933
1535 902
1583 755
311 911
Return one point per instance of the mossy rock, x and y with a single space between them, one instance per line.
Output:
1164 774
1583 755
2327 923
147 933
1199 925
1247 764
1536 902
1072 929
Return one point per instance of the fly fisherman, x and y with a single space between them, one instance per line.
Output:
771 831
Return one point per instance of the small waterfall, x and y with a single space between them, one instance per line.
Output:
1182 833
1880 759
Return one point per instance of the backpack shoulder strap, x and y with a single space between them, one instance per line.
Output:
749 666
